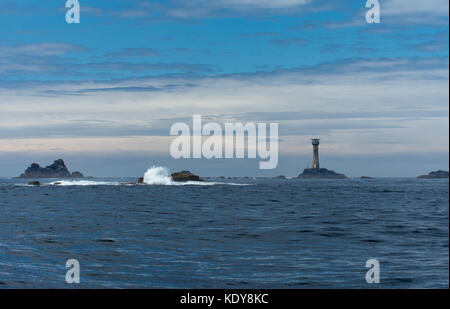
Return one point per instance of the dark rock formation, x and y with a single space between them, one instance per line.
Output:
435 175
366 177
280 177
34 183
320 173
56 170
185 176
179 177
76 175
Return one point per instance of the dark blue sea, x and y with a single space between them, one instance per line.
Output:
225 233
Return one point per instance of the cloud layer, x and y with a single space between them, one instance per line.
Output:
378 106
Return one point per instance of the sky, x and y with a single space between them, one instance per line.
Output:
103 94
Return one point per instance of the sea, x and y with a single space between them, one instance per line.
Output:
258 233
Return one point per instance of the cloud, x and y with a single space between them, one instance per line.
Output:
122 89
378 106
50 60
146 66
193 9
256 4
133 53
432 12
304 122
400 13
210 8
41 49
41 58
415 7
430 46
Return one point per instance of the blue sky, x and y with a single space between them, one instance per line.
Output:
109 88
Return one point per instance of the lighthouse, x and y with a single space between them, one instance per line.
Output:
315 161
315 171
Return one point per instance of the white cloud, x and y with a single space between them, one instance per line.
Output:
208 8
402 7
40 49
258 4
385 106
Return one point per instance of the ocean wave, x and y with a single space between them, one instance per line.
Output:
156 175
82 183
160 175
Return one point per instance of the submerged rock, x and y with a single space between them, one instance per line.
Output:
34 183
435 175
280 177
366 177
322 173
56 170
185 176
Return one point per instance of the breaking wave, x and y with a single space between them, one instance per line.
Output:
156 175
160 175
83 183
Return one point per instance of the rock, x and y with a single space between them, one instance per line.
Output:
321 173
140 180
56 170
34 183
280 177
76 175
185 176
366 177
435 175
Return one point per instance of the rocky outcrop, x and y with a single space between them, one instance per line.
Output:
321 173
435 175
56 170
179 177
185 176
76 175
34 183
366 177
280 177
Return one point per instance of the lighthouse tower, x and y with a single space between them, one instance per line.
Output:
315 161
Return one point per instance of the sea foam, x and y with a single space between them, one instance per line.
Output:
160 175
